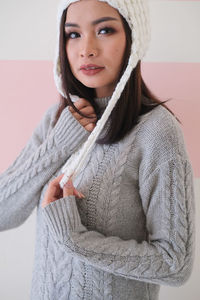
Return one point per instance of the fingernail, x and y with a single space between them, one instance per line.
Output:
81 195
68 185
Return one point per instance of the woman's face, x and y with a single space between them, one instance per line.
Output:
95 44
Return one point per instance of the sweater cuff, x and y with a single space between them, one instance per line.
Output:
62 218
69 130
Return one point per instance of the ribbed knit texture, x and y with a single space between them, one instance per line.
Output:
133 231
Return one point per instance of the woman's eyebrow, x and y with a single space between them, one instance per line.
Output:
94 22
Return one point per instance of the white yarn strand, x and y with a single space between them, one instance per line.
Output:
76 162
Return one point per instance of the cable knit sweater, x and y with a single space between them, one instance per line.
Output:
133 231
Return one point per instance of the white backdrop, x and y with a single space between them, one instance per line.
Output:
31 27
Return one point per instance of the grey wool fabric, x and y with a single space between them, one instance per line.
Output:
133 231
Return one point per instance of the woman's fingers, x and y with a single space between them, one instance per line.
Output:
54 191
80 118
85 121
69 190
78 194
86 108
81 103
88 112
90 126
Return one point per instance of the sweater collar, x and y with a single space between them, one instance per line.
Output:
102 102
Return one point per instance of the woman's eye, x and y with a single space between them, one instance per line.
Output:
106 30
74 35
71 35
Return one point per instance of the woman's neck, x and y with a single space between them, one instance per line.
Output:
102 102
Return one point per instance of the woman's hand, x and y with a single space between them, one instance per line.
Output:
54 191
86 108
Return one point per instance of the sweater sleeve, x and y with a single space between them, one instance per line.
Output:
46 151
165 258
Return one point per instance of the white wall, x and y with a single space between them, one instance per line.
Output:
28 30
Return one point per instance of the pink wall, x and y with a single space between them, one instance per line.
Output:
27 90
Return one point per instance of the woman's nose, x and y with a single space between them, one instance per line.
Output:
89 49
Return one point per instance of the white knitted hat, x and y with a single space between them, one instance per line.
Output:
136 13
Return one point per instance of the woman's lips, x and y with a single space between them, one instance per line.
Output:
91 69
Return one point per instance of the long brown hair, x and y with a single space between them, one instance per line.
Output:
135 100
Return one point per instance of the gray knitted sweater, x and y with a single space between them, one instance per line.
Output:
133 231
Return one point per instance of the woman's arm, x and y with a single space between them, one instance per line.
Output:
165 258
46 151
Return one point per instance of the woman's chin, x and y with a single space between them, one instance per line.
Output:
90 85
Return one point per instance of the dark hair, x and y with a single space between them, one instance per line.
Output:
135 100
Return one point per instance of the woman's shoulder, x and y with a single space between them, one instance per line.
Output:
51 111
160 131
49 114
159 122
47 122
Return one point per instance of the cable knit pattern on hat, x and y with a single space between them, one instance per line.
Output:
133 231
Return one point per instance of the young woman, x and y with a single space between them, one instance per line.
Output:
116 221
